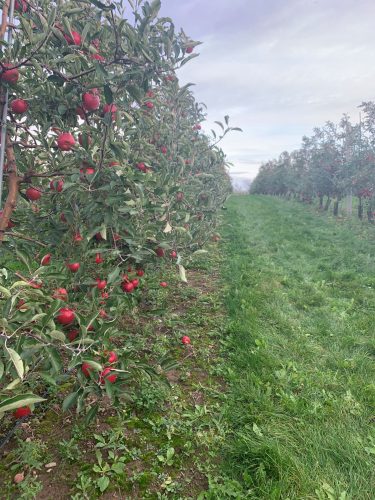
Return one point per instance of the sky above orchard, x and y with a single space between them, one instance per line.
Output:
277 67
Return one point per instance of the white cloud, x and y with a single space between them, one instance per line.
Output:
278 68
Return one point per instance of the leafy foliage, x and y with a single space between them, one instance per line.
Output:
113 175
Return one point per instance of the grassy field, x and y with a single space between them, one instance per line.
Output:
273 399
300 409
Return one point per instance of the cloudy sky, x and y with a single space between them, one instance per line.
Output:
277 67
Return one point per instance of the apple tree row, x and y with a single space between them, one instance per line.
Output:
107 174
336 161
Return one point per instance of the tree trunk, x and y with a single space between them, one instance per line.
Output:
360 208
13 185
336 207
327 204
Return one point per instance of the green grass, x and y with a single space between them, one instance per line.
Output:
300 352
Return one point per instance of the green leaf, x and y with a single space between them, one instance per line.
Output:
118 467
56 334
24 258
102 482
97 366
108 94
1 369
187 59
71 399
4 291
102 6
17 361
182 272
17 401
36 317
113 275
91 414
55 359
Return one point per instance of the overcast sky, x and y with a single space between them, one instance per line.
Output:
277 67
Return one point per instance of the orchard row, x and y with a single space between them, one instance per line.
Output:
108 180
336 161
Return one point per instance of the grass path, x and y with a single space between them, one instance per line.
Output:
301 349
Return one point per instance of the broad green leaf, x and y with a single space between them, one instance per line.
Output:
182 272
17 401
56 334
103 482
5 292
114 275
17 361
71 399
97 366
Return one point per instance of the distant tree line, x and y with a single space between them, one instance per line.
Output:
337 161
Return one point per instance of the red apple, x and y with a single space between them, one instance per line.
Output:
10 75
105 375
86 368
185 340
159 252
20 304
35 284
74 266
80 112
149 105
46 260
19 106
140 272
99 259
24 411
75 39
164 150
103 314
72 334
173 254
112 358
65 141
164 284
135 282
10 223
33 194
77 237
141 166
57 185
101 284
60 294
82 138
127 287
189 50
65 316
110 108
105 295
87 171
91 101
20 6
97 57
